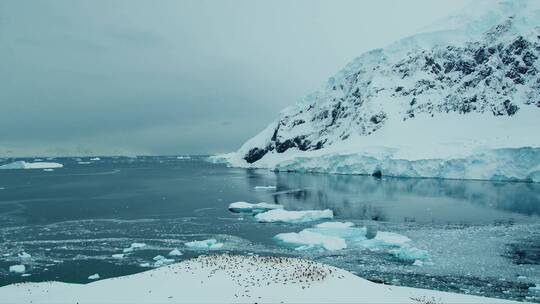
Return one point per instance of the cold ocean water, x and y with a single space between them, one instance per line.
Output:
113 216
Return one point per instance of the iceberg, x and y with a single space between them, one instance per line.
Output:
244 207
175 252
265 188
25 165
17 268
161 261
204 245
281 215
305 240
95 276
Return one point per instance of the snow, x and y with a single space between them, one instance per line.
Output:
244 207
36 165
426 106
95 276
233 278
286 216
204 244
17 268
175 252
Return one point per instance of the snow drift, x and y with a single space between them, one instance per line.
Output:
459 100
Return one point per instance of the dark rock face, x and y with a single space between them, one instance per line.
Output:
497 74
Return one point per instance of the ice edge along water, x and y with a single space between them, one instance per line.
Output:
233 278
460 100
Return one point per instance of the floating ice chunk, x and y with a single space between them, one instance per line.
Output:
334 225
118 256
17 268
26 275
281 215
305 240
84 163
134 246
535 288
23 255
265 188
24 165
161 261
95 158
175 252
183 157
144 264
48 170
418 263
244 207
95 276
205 244
409 253
386 239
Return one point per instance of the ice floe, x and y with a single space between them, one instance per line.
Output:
535 288
265 188
161 261
175 252
48 170
134 246
21 164
95 276
23 255
17 268
305 240
204 244
95 158
118 256
245 207
286 216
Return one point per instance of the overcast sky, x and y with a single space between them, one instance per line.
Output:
175 77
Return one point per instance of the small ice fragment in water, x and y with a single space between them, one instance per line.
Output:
95 276
205 244
281 215
246 207
95 158
144 264
23 255
265 188
48 170
84 163
418 263
118 256
334 225
305 240
17 268
161 260
134 246
175 252
26 275
24 165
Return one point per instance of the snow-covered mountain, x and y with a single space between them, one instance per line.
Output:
459 100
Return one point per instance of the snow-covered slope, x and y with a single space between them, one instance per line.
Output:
233 279
461 100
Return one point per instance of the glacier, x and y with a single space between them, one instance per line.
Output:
458 100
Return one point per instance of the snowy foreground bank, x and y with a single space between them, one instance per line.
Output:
233 278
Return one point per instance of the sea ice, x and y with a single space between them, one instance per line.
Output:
409 253
84 163
161 261
95 276
95 158
386 239
205 244
48 170
134 246
281 215
334 225
23 255
305 240
175 252
118 256
17 268
24 165
244 207
535 288
265 188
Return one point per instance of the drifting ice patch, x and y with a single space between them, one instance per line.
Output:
17 268
118 256
305 240
23 255
95 276
535 288
205 244
265 188
175 252
24 165
244 207
133 247
84 163
281 215
387 239
330 236
48 170
95 158
161 261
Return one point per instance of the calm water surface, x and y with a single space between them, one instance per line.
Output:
483 237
